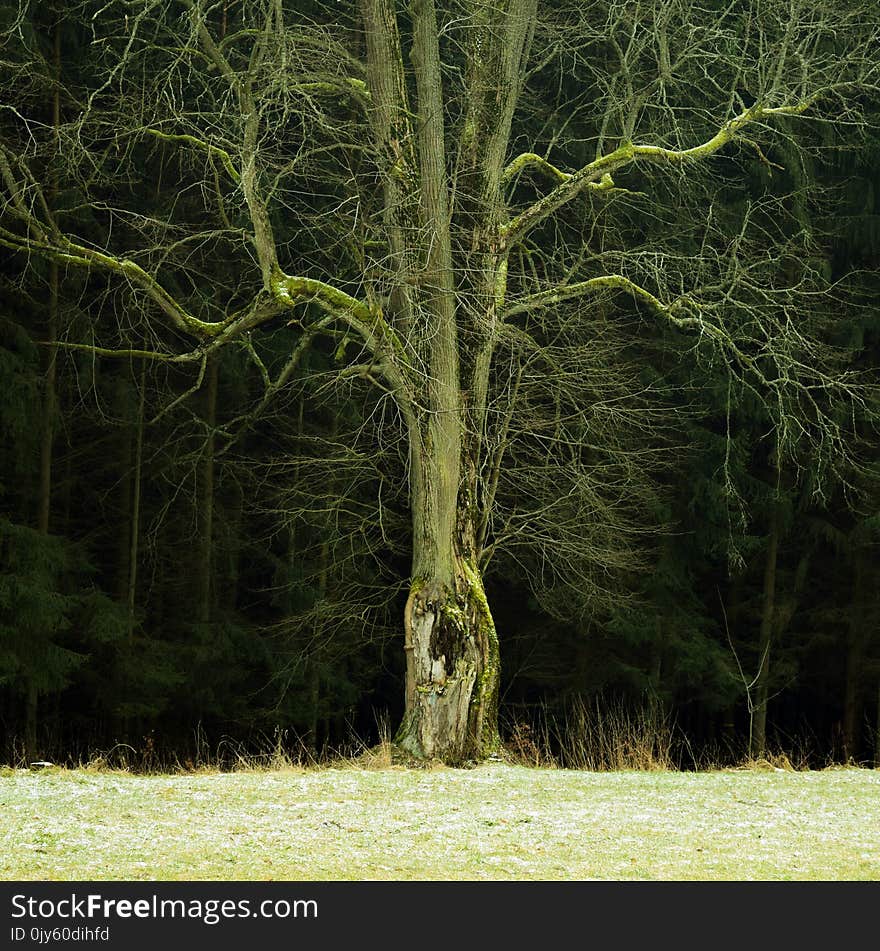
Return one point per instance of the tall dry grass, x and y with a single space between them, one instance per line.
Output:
602 736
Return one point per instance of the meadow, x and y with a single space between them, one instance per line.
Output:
494 822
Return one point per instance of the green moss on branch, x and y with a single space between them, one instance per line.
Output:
199 144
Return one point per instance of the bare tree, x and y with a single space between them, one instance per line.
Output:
479 202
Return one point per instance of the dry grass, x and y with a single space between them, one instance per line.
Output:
601 737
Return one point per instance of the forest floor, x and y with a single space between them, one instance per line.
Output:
495 822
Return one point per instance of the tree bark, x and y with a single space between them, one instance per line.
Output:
49 399
30 728
453 712
45 498
48 421
453 656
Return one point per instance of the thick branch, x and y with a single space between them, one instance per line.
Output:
190 357
532 160
200 144
582 288
264 239
627 154
65 251
378 336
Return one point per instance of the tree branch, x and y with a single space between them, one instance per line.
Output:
65 251
604 167
199 144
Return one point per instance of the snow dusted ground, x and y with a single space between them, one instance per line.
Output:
494 822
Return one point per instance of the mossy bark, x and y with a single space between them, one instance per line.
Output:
450 639
452 703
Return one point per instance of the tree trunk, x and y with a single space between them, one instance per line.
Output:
877 731
446 299
206 501
855 653
313 688
851 706
128 537
656 705
30 724
136 505
232 533
48 421
453 714
47 435
453 656
126 463
758 733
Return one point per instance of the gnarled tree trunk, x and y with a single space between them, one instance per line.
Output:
450 638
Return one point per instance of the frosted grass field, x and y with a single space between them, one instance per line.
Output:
496 822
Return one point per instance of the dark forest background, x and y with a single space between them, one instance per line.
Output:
180 582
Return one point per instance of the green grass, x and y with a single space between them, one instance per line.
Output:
494 822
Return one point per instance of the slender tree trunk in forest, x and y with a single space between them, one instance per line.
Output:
851 700
731 610
313 688
130 458
30 727
855 655
314 661
133 553
758 737
877 731
206 500
48 420
233 521
126 463
49 398
45 497
656 705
